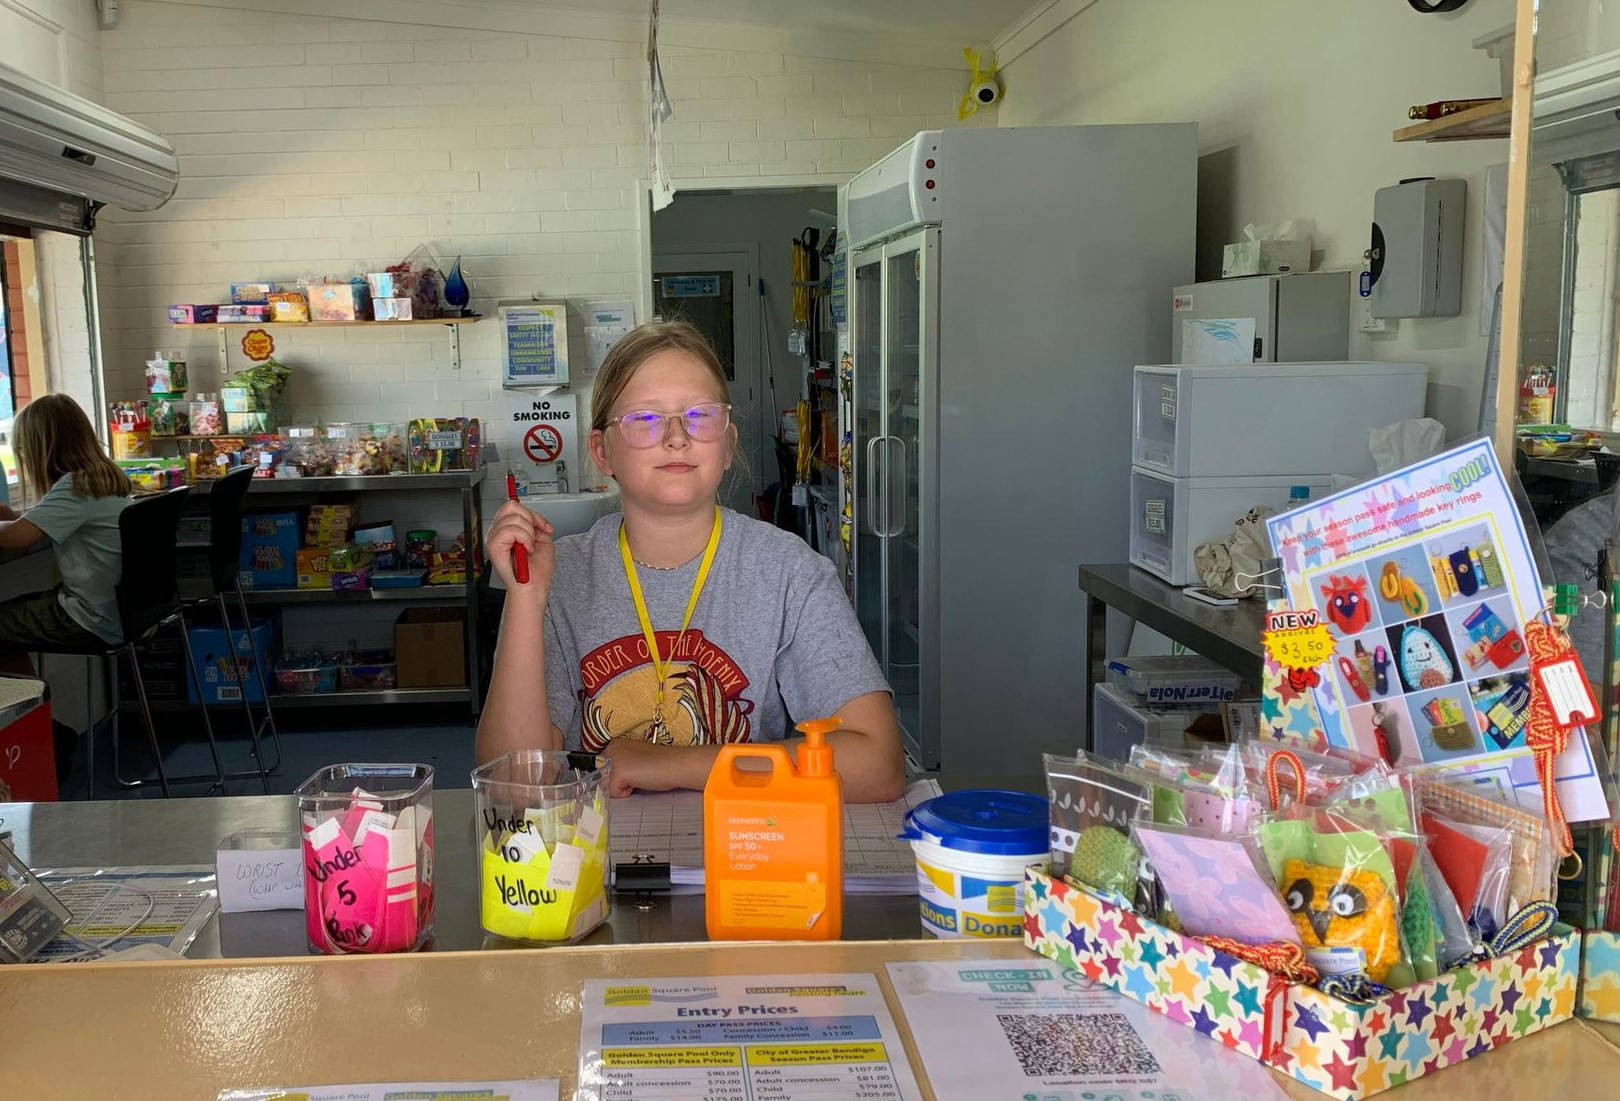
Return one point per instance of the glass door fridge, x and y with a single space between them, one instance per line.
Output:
895 341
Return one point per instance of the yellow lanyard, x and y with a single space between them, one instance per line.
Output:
658 662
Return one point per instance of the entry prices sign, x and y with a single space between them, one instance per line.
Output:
542 430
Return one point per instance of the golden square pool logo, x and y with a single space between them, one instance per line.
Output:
627 997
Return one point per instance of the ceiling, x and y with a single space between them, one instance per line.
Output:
969 21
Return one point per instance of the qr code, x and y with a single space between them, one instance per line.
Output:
1053 1044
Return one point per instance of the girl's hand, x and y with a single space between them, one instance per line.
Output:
516 525
637 766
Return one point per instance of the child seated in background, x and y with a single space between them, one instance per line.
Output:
81 495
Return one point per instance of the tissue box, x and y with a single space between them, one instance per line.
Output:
1346 1050
1265 258
391 309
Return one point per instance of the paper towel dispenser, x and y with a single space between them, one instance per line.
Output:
1416 253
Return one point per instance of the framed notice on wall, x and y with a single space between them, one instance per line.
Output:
534 343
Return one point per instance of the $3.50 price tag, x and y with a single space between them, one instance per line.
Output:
1297 641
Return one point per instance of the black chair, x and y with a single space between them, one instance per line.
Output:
148 600
226 500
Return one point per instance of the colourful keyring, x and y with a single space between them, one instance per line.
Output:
1412 598
1389 582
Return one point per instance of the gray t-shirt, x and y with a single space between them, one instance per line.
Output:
773 641
88 553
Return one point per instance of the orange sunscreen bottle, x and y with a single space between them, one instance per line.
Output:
773 841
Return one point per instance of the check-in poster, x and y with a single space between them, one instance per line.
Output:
1425 579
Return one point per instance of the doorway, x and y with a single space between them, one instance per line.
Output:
715 291
723 259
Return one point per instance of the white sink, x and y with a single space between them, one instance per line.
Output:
571 513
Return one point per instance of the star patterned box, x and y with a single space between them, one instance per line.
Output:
1344 1049
1600 975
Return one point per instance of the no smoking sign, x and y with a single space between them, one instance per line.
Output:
542 444
543 432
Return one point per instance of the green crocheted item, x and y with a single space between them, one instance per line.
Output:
1105 858
1417 925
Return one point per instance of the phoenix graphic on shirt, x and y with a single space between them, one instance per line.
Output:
703 686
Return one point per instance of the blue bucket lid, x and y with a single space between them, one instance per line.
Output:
983 820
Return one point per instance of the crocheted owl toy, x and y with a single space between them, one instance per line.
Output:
1344 908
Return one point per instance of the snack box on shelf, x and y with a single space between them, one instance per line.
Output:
269 557
188 314
289 306
314 568
1344 1049
235 314
252 294
212 651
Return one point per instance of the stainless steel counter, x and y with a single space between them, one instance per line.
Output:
116 833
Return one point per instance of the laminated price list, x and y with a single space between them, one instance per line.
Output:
741 1038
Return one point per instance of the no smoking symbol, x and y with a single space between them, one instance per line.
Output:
542 444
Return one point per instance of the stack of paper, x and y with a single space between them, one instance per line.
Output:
667 827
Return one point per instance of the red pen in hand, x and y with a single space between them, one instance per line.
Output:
520 553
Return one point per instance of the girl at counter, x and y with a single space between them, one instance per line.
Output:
84 492
677 625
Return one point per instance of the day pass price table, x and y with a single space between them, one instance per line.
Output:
741 1038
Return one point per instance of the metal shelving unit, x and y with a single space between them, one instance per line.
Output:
466 484
423 593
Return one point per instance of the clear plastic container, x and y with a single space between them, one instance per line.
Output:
542 832
368 671
306 674
1174 679
307 451
368 858
360 449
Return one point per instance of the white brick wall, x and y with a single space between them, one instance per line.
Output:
314 146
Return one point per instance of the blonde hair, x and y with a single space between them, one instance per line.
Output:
635 348
52 437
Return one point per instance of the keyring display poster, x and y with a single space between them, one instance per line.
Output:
1425 580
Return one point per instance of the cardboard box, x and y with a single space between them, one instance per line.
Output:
429 646
269 550
235 314
221 683
252 294
336 301
289 306
187 314
1600 975
314 568
1265 258
1343 1049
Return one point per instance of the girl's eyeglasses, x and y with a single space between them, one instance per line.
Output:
704 422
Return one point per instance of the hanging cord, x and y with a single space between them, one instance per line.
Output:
1274 781
97 950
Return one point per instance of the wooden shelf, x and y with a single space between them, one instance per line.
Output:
1488 120
323 324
